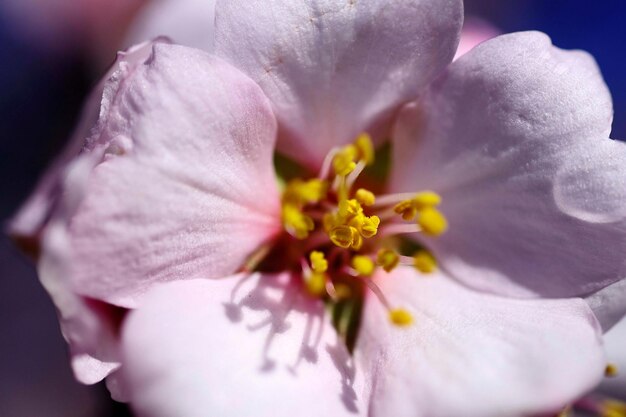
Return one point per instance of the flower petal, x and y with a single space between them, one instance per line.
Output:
253 345
475 354
335 69
186 22
90 331
176 180
515 138
609 304
116 385
89 370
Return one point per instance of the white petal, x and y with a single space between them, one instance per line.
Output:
239 346
335 69
473 354
515 138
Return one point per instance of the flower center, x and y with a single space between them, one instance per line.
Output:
338 235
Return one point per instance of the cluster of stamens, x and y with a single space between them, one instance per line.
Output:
341 223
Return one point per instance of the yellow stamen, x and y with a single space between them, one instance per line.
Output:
426 199
306 192
424 262
365 197
330 221
365 148
316 284
296 222
613 408
343 162
344 236
400 317
406 209
387 259
345 217
432 221
349 208
421 201
611 370
357 242
318 261
363 265
369 226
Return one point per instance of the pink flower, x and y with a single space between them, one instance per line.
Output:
177 264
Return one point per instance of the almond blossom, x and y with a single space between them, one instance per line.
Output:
453 285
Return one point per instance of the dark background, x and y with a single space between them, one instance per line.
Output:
40 94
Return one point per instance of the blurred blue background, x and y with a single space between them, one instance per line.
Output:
41 90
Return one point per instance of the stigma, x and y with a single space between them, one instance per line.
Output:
348 231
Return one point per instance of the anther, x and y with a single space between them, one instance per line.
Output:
432 221
611 370
368 226
397 316
311 191
613 408
424 262
344 236
406 209
426 199
357 241
363 265
400 317
343 162
318 261
316 284
365 197
365 148
349 208
330 221
297 223
387 259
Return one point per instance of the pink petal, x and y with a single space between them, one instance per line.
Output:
335 69
89 370
473 354
91 332
116 385
184 185
186 22
240 346
515 138
609 304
